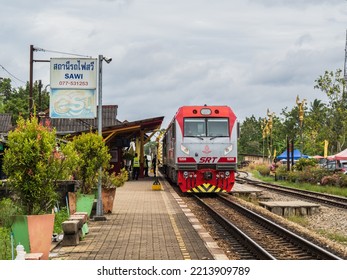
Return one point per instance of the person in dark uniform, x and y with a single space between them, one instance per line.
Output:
146 166
154 165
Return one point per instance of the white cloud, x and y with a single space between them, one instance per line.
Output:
250 55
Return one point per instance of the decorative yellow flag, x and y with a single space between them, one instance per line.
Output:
326 143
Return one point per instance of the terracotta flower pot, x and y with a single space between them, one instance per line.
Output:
34 232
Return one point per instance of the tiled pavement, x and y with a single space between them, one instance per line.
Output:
145 225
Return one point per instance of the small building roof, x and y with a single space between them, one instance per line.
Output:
67 126
5 123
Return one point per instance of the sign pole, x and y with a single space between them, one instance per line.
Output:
99 211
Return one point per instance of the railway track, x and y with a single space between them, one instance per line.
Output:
326 199
259 238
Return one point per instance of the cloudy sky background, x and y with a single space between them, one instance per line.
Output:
252 55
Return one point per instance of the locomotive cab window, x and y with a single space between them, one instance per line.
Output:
217 127
194 127
206 127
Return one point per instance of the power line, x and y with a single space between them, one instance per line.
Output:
13 76
43 50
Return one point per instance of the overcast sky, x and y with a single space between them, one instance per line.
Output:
252 55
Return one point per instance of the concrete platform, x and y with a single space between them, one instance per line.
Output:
145 224
248 191
290 208
239 188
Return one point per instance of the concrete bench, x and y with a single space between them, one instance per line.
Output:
33 256
71 232
290 208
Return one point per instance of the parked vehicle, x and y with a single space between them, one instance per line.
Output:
335 165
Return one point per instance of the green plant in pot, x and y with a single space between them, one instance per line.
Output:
110 182
93 156
33 164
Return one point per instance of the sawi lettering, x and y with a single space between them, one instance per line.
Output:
73 76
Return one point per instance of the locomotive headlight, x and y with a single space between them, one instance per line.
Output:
185 174
228 150
227 174
184 149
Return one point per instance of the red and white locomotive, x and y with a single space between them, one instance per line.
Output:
200 149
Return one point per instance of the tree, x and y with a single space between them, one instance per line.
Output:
16 101
93 154
250 141
33 165
5 92
333 85
316 128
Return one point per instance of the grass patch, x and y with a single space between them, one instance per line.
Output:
303 186
301 220
334 236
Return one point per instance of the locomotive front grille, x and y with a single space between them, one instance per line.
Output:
186 167
206 166
226 167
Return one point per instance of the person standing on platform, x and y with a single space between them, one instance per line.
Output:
136 167
154 165
146 166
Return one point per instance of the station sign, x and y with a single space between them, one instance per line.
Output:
73 83
76 73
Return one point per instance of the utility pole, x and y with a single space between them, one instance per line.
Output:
345 69
31 79
345 65
31 75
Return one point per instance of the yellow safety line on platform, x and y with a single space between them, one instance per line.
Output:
181 244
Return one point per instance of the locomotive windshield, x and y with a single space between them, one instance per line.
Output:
206 127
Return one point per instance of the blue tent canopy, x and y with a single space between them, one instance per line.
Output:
297 155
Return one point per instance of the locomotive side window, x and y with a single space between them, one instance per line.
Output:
194 127
217 127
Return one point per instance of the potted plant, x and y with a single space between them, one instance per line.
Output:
110 182
93 156
33 164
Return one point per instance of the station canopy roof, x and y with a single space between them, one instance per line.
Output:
127 129
111 127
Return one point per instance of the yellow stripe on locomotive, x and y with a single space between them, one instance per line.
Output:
206 188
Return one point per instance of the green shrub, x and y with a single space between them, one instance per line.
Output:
8 209
60 217
318 174
281 172
343 181
93 155
5 244
111 180
303 163
292 176
332 180
33 163
263 170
